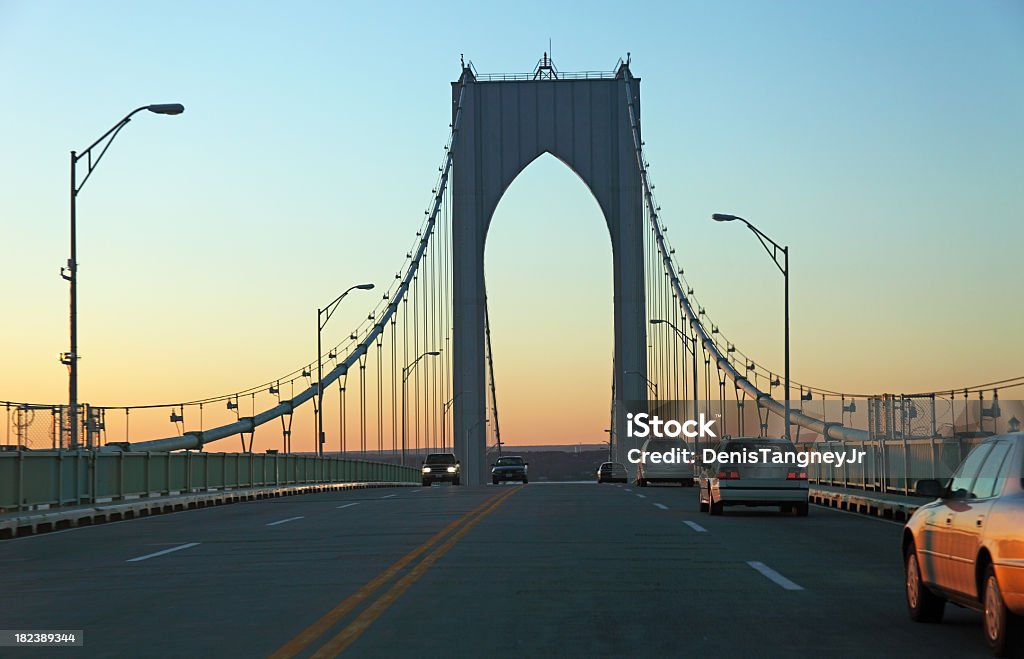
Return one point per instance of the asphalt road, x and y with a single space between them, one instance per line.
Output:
508 571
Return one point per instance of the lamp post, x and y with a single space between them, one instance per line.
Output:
405 387
469 431
322 316
653 386
783 267
689 344
70 273
444 427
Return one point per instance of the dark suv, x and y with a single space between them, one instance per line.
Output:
509 468
440 467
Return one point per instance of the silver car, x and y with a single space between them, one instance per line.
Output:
612 472
732 483
662 461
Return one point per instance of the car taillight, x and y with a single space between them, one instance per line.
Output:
728 475
796 476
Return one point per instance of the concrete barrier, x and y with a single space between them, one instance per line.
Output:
15 525
877 504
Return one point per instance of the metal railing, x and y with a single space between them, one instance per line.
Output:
890 465
33 479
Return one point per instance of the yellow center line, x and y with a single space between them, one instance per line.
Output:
354 630
331 618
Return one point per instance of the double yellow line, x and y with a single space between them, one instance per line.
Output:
337 644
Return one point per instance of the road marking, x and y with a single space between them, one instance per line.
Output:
285 521
387 496
642 496
774 576
695 526
162 552
662 506
627 489
354 630
331 618
349 505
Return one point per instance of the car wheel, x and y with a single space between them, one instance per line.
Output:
525 481
802 509
494 481
426 483
715 507
1002 628
922 604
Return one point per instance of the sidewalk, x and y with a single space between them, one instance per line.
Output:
896 507
19 523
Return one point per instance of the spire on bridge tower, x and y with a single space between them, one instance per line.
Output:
545 69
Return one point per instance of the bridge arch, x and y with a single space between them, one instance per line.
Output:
504 126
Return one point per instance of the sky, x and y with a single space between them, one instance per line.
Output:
881 141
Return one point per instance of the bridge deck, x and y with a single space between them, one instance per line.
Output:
580 568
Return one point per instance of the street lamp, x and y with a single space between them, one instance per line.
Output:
322 316
70 273
783 267
405 387
444 412
653 386
469 431
691 345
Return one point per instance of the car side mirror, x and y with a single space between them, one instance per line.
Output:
929 487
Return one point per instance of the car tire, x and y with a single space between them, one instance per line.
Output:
525 481
922 604
1002 629
802 509
494 481
426 483
715 507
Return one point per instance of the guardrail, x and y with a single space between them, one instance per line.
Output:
892 465
34 479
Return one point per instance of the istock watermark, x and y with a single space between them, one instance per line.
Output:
751 456
644 425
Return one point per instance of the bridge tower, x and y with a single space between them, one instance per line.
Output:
505 124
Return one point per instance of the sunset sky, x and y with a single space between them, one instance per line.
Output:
882 141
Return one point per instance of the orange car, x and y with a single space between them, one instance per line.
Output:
967 547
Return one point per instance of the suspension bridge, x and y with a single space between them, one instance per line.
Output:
417 375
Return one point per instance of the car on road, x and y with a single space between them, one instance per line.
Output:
510 468
737 481
440 467
612 472
655 465
967 546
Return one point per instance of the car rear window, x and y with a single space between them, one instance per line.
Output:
663 445
509 462
441 458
